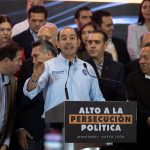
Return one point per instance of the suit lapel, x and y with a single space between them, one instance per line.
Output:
105 69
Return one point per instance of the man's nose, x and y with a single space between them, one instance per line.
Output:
141 61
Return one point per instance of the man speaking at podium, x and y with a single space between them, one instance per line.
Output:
64 77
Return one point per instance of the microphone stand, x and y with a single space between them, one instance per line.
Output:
121 83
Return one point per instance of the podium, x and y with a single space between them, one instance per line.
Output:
56 114
92 122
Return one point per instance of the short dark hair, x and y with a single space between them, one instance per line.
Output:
37 9
93 24
5 18
9 50
77 13
45 46
97 16
103 33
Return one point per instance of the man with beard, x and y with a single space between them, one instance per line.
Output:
115 46
82 16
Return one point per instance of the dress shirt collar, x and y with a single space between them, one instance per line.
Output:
99 67
109 40
34 35
147 76
101 64
66 61
4 79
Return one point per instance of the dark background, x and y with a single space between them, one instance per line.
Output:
61 13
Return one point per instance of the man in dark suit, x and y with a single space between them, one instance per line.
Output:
134 65
10 62
138 87
37 16
110 73
30 125
117 47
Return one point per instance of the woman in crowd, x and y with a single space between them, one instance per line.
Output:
135 31
6 31
84 33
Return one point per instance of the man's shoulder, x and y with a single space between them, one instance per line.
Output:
134 75
22 34
12 78
135 26
82 63
113 63
21 24
12 82
118 40
20 27
52 63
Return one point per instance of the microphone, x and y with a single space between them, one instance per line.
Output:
85 66
66 90
106 79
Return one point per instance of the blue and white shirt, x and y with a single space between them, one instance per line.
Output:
81 86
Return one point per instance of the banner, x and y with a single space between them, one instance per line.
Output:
100 122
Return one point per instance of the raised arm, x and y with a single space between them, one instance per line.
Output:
38 69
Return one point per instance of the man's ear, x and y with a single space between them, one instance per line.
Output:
28 19
105 44
6 59
49 55
79 42
58 44
76 22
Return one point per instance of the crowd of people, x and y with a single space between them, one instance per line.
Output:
41 66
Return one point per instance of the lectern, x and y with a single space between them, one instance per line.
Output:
92 122
56 114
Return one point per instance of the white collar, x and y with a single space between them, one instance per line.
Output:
147 76
4 79
64 60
